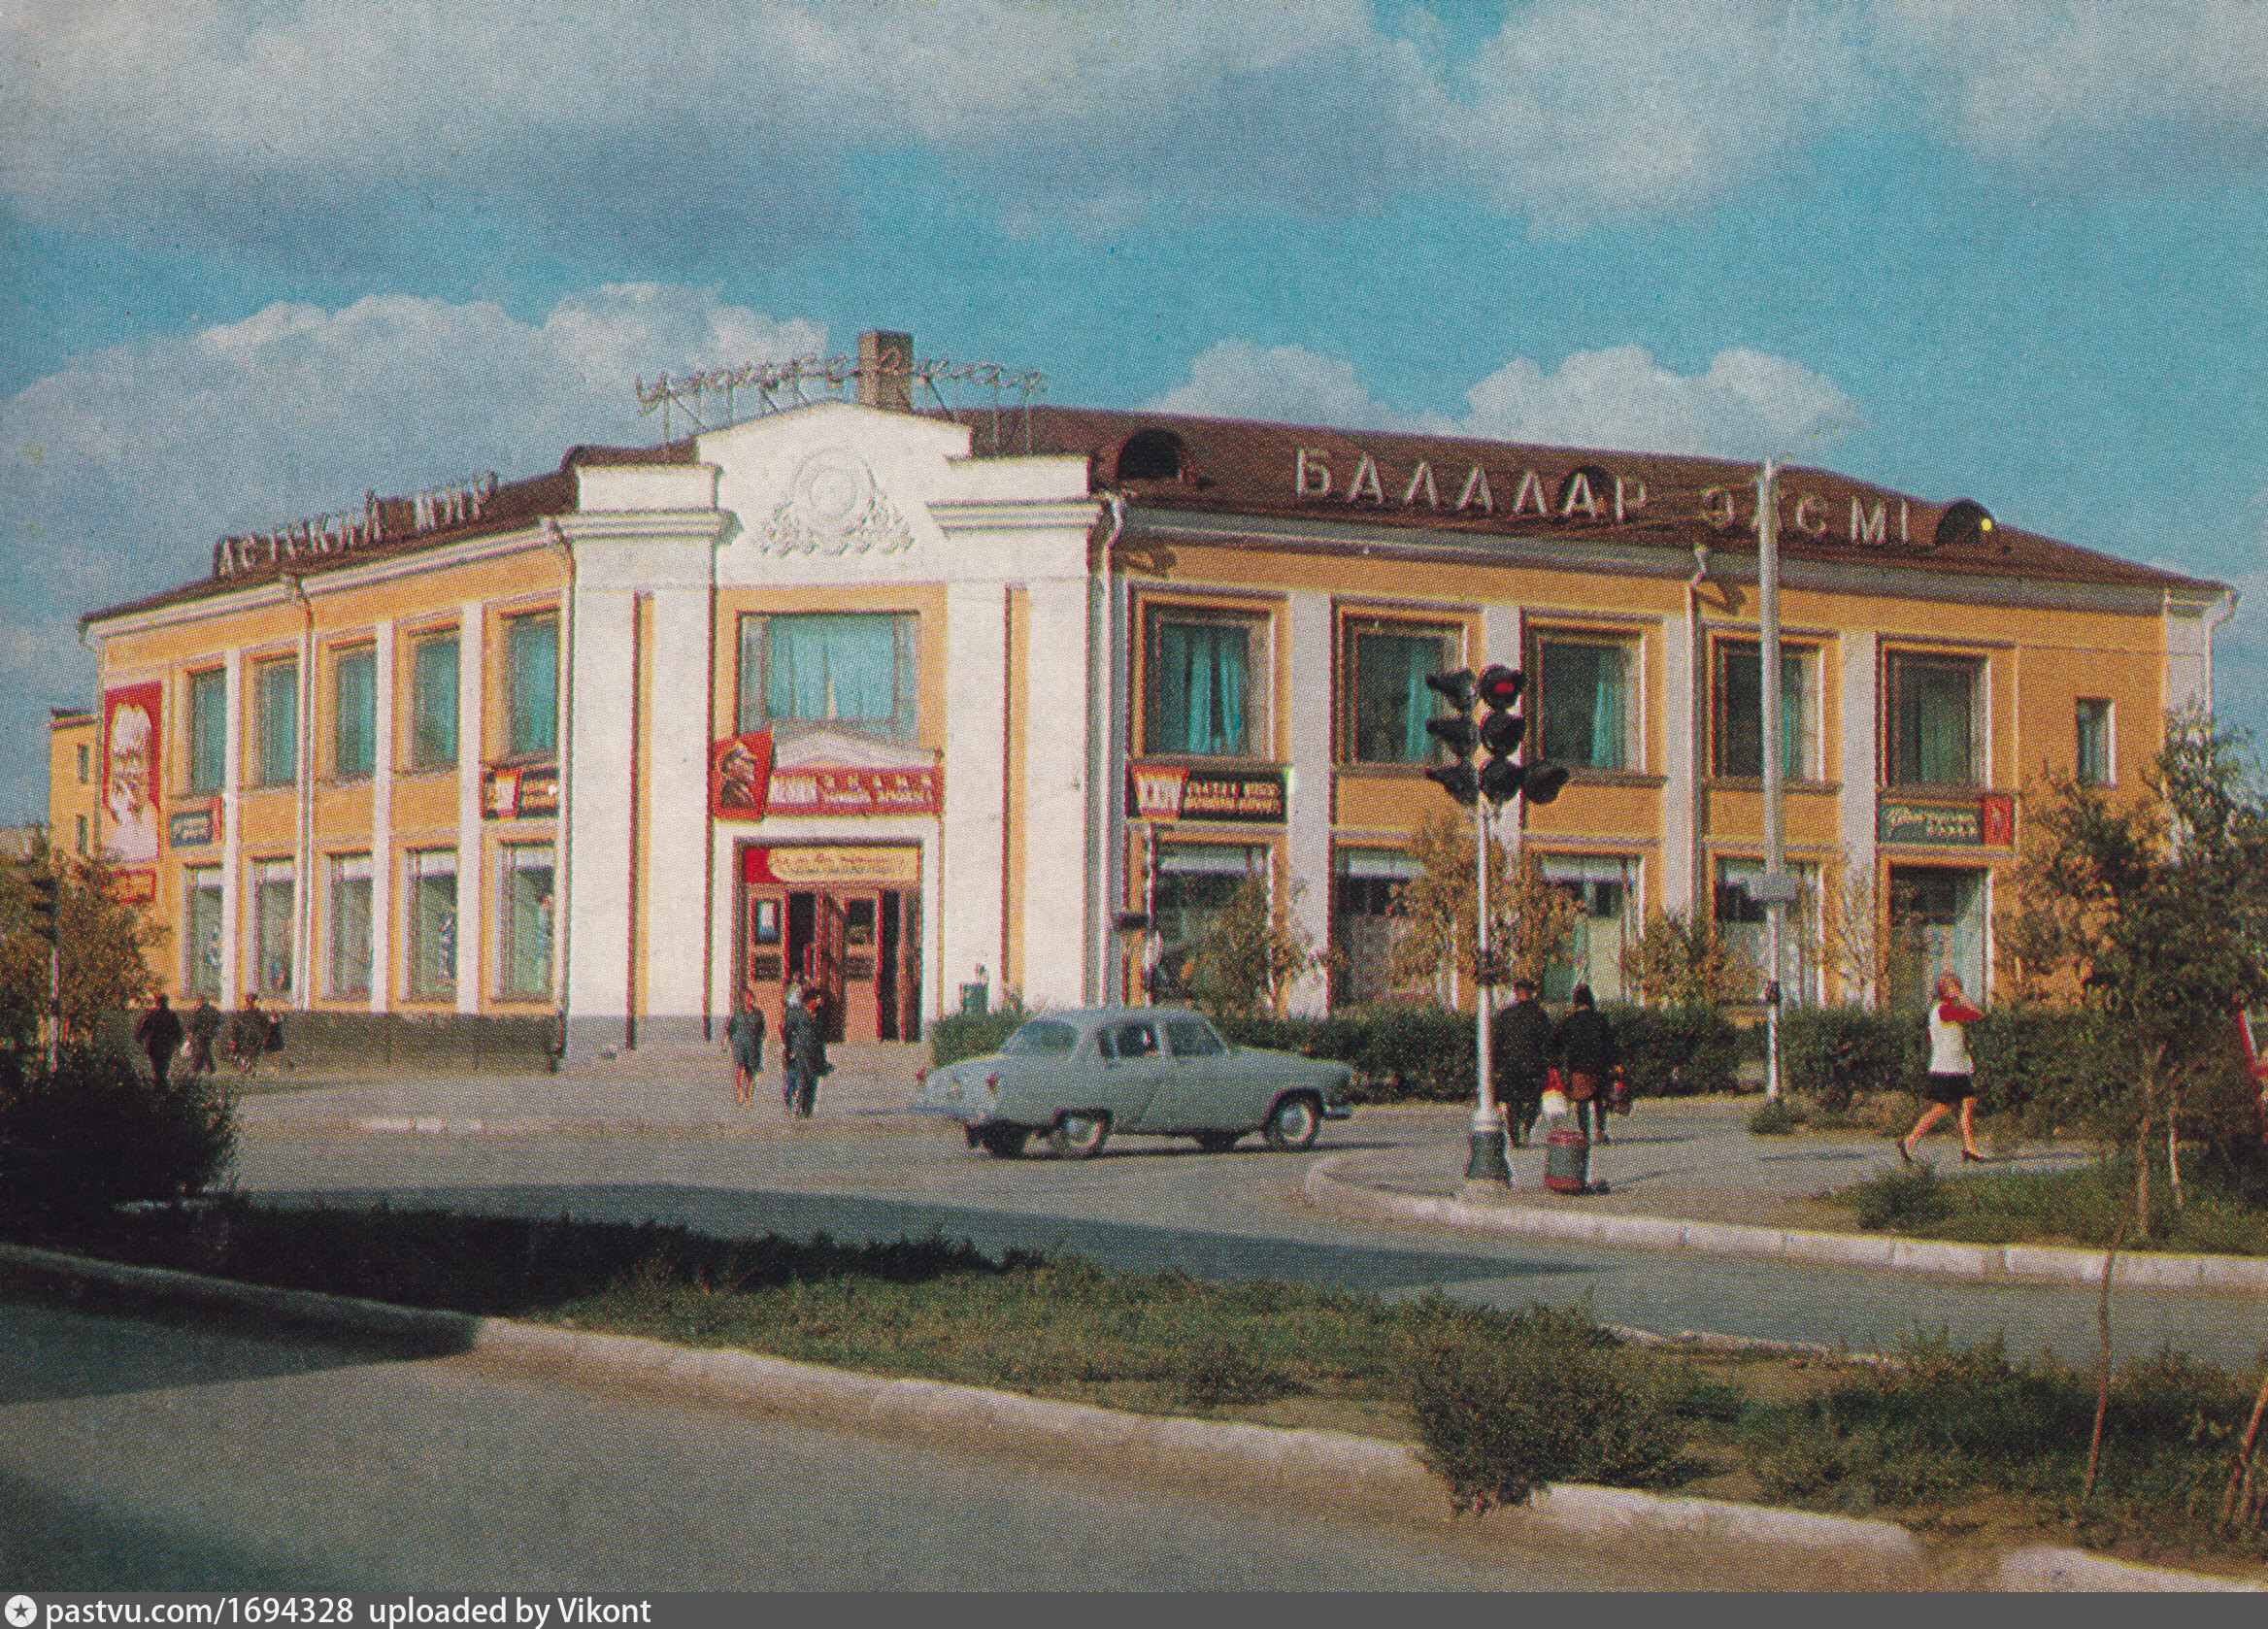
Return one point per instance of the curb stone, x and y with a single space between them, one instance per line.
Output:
1348 1472
1326 1190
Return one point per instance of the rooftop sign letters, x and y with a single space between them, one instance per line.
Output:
1592 493
434 509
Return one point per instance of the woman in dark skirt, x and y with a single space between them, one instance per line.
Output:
1583 1046
1952 1075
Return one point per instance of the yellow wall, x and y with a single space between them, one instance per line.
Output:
74 780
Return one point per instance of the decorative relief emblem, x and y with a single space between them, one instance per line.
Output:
832 508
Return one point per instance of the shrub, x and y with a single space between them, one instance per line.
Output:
971 1035
1213 1370
1553 1399
1675 1051
1834 1054
94 1135
1899 1200
1776 1118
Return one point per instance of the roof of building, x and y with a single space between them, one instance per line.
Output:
1179 464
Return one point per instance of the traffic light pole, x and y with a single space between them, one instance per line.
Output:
1487 1163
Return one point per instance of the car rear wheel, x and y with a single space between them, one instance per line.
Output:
1218 1141
1294 1125
1080 1136
1003 1142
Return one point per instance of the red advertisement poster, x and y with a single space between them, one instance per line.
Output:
131 742
740 777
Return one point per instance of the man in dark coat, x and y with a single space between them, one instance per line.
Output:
160 1034
807 1046
204 1025
1520 1041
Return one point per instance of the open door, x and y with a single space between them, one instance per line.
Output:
827 959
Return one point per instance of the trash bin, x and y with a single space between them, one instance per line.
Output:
976 1000
1567 1158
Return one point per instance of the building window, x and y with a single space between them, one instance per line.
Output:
208 730
2092 756
432 912
275 691
1387 701
1366 921
1937 925
848 672
351 925
526 947
531 686
433 673
1936 711
354 713
1740 712
201 939
1193 885
1604 886
83 757
1742 929
1201 685
272 890
82 834
1579 703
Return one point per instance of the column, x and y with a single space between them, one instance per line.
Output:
975 779
1306 836
472 697
1680 857
232 833
1055 891
598 814
381 824
1861 768
673 933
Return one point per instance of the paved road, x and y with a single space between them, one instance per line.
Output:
1154 1204
138 1455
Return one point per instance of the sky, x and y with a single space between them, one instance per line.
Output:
261 258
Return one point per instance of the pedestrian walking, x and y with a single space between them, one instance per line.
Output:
811 1052
247 1034
791 1021
1520 1047
204 1025
744 1034
1952 1076
1583 1043
160 1034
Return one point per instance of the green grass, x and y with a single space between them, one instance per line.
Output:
1777 1117
2081 1207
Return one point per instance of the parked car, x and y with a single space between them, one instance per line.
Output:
1077 1078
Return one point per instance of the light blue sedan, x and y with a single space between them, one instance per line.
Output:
1078 1077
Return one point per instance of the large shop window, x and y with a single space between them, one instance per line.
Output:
531 686
433 676
351 924
1193 885
1388 701
201 939
272 891
1366 921
1937 925
354 713
1742 929
1604 886
1740 710
526 950
276 698
1201 690
1580 704
1937 720
208 731
842 671
432 919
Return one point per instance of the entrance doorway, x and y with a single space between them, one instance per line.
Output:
844 921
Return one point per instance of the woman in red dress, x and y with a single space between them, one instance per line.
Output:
1952 1075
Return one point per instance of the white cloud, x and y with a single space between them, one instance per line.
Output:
1285 383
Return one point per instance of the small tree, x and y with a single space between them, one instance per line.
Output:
1853 931
1679 961
1246 959
105 948
1531 921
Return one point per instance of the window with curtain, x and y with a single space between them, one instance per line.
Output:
1604 886
1579 703
1937 925
1193 885
276 699
1936 720
1740 710
349 924
1366 920
433 701
2091 760
848 671
526 939
1200 686
531 686
208 731
354 713
1388 703
432 921
272 890
201 943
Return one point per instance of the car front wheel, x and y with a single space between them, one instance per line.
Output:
1080 1136
1003 1142
1294 1125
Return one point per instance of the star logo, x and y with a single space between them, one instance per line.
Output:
22 1611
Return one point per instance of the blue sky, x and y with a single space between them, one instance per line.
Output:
261 258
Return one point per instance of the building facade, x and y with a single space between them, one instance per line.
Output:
896 702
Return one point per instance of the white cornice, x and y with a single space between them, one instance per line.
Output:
647 525
981 514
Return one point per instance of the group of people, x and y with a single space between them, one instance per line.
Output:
1527 1046
803 1049
164 1036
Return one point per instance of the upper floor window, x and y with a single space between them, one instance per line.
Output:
1579 702
1740 710
276 700
354 713
531 686
852 670
2091 757
1386 701
208 729
83 757
433 676
1936 715
1202 685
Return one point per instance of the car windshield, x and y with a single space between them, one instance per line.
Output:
1040 1034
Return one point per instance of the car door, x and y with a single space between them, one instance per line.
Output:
1198 1090
1132 1065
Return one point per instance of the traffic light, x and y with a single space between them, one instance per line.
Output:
42 902
1501 778
1457 733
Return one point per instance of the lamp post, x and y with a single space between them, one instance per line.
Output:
1779 888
